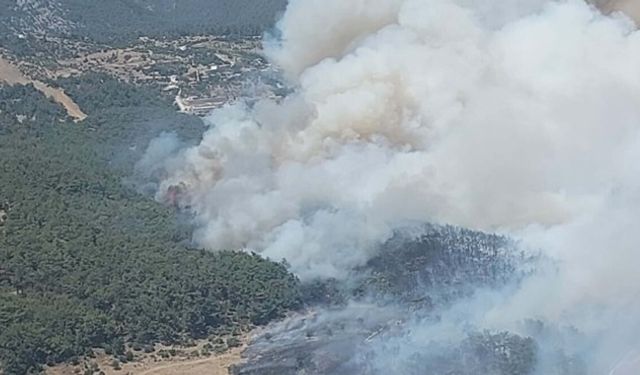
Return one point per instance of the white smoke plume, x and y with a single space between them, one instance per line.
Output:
519 117
159 149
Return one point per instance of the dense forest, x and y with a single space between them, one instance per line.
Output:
86 262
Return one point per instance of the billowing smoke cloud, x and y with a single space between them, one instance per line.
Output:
519 117
151 167
159 150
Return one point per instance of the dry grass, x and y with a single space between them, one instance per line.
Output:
154 364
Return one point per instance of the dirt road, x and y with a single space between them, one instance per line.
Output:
217 365
12 75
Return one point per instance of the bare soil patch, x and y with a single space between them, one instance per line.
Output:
184 363
12 76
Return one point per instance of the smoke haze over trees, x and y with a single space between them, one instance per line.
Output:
517 117
86 262
405 122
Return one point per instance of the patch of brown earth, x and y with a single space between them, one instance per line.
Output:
59 96
216 365
12 76
185 362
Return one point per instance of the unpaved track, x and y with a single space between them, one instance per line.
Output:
59 96
12 75
217 365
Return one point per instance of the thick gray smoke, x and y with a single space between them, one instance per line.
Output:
518 117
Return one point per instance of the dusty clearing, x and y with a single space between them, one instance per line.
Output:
12 75
154 364
59 96
216 365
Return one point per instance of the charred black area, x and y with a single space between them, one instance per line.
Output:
355 326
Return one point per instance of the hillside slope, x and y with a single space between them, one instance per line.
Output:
131 18
86 262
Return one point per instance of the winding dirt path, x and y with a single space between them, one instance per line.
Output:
12 76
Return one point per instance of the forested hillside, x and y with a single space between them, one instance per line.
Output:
156 17
86 262
129 19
